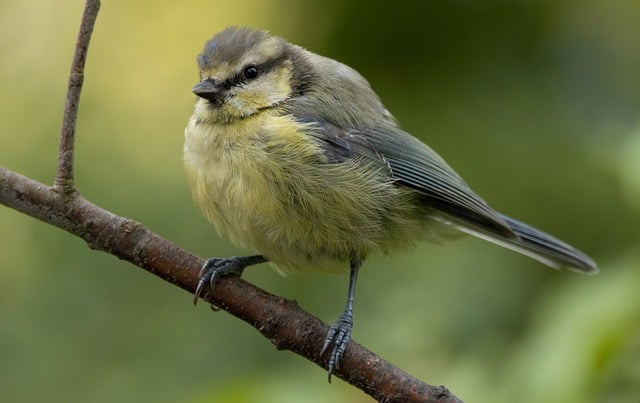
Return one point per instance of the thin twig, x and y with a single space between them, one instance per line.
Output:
64 175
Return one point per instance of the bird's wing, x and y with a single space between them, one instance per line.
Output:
413 164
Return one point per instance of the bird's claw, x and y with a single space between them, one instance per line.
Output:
338 336
214 268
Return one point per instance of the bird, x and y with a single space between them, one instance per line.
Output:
294 156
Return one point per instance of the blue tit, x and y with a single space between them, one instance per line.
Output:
292 155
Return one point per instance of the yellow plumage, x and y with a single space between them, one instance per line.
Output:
293 155
266 183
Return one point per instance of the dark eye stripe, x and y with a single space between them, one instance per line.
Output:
238 78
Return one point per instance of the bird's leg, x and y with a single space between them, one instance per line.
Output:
340 333
215 267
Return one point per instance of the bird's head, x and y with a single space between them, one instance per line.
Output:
244 71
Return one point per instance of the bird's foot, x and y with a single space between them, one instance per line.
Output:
338 337
214 268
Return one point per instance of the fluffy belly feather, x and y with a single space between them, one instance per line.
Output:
273 191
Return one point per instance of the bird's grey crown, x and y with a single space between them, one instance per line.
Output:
230 45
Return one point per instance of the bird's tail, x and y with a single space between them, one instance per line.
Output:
536 244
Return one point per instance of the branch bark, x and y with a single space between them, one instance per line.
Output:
281 321
64 174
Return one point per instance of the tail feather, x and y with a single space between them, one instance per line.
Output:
536 244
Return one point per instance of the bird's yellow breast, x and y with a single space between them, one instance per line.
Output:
268 185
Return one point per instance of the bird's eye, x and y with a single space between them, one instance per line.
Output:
251 72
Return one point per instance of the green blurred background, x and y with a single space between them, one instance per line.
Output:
535 103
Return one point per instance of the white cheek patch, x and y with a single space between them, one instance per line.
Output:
267 90
277 84
240 107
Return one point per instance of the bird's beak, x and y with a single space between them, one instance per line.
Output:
209 90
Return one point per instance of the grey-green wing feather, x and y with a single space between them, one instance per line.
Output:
413 164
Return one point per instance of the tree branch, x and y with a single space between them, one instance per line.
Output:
64 174
286 325
281 321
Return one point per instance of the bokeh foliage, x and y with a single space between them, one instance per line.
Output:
535 103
